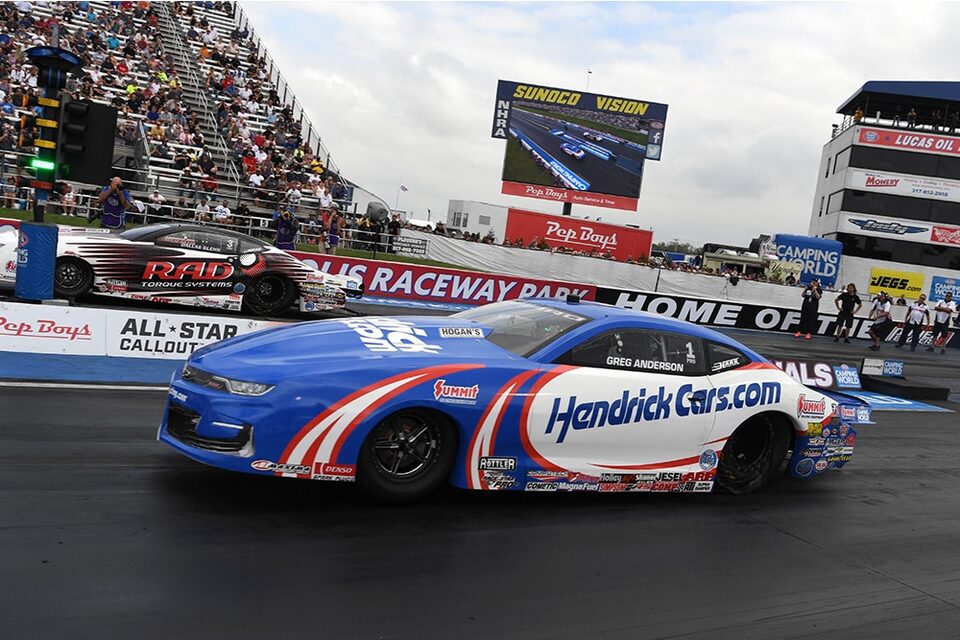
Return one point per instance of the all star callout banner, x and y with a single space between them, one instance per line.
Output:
572 146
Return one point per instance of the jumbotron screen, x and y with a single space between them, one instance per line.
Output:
572 146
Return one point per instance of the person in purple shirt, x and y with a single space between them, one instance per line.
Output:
287 228
115 201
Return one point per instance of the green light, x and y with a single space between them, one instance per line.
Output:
37 163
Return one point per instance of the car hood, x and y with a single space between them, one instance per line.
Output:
319 347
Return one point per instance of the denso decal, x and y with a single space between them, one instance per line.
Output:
388 335
334 472
646 405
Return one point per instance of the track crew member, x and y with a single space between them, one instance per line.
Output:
943 311
848 303
809 308
882 320
918 314
114 201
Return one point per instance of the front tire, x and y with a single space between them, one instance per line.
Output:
269 294
753 454
72 278
407 456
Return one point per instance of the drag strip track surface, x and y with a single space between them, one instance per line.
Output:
105 533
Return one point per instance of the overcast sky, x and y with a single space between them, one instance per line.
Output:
404 92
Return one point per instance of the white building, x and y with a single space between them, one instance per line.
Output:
889 186
469 216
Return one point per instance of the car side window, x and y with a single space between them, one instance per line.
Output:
640 350
724 358
196 240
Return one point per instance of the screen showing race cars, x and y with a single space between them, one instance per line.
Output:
573 146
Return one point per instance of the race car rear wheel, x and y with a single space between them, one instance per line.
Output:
753 454
408 455
269 294
72 278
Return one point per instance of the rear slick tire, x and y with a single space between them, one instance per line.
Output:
753 454
269 295
72 278
407 456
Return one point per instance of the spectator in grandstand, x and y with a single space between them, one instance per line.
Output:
287 228
901 301
333 231
114 200
182 209
858 115
68 201
201 212
221 214
848 304
155 206
138 211
882 320
943 311
917 315
393 231
292 197
809 307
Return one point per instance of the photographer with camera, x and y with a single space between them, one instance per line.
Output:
809 309
287 228
115 201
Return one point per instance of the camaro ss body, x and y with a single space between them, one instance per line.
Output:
194 265
539 396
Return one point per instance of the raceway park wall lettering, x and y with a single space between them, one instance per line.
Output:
436 284
722 313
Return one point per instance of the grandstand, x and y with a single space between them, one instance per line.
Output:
204 112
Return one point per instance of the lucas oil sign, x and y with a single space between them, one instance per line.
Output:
818 257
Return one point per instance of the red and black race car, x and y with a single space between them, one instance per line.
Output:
194 265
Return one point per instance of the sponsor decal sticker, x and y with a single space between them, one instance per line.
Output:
846 377
490 463
176 395
390 335
268 465
805 467
334 472
455 394
461 332
708 459
807 408
648 405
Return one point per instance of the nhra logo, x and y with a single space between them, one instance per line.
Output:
871 136
24 239
811 408
196 270
442 390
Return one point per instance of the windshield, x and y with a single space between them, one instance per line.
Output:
138 233
522 327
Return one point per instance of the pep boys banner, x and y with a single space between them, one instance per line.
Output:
435 284
740 315
578 234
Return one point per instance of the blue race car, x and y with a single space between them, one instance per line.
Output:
573 150
523 396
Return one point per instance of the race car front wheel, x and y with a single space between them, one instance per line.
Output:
269 294
753 454
408 455
72 278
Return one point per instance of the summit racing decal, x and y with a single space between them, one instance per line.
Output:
651 405
387 335
452 393
811 408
